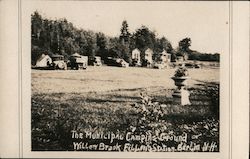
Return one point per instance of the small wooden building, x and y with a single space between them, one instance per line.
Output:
148 57
136 57
165 57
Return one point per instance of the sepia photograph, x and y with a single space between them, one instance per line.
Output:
127 76
124 79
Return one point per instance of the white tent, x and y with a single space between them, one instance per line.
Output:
43 61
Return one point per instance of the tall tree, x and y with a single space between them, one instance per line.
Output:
114 47
36 25
124 42
184 45
162 44
125 35
144 38
91 43
101 43
36 29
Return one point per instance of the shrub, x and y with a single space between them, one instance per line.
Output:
181 72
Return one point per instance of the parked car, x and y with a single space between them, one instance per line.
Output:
122 63
77 61
116 62
95 61
159 65
189 65
58 62
192 65
136 62
197 66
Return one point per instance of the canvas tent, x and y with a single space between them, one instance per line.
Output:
43 61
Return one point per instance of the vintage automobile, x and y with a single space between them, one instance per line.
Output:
77 61
58 62
95 61
159 65
192 65
122 63
116 62
136 62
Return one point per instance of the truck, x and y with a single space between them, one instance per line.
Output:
116 62
77 61
58 62
95 61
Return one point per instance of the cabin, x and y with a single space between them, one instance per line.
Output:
43 61
148 60
136 57
165 57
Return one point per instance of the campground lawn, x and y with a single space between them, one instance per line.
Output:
102 98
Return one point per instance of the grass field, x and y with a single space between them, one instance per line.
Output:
103 79
100 98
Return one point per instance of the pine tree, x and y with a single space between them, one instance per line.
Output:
124 42
125 35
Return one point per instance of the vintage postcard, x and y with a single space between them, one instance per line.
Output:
126 79
126 76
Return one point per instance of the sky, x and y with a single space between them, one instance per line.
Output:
206 23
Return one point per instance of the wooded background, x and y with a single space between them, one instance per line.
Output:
62 37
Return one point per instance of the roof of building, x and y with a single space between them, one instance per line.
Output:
42 57
164 52
136 49
148 49
56 55
76 55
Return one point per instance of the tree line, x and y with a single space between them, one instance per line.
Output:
62 37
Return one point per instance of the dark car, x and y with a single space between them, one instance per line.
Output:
116 62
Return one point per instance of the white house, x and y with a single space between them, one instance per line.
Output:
165 56
43 61
148 56
136 56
